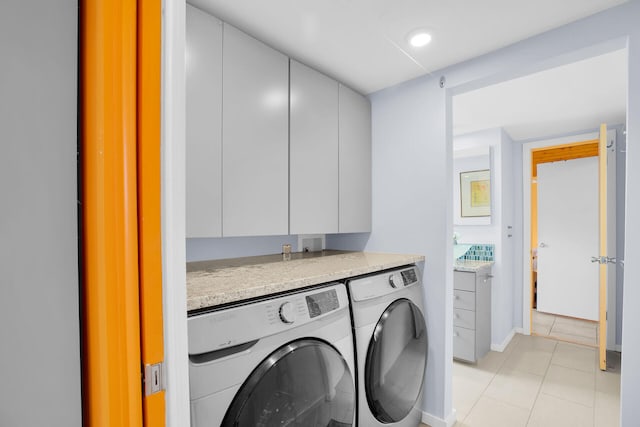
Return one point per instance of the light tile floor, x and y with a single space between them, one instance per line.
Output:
538 381
565 328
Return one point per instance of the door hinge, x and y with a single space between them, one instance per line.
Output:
153 378
603 260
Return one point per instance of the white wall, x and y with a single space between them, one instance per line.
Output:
503 310
234 247
621 171
412 210
39 286
497 232
630 387
516 164
415 116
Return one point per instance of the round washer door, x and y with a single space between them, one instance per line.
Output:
304 383
396 361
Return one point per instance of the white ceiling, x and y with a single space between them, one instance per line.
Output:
363 42
573 97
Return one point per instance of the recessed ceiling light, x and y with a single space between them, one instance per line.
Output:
419 38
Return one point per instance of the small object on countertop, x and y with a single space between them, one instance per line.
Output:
286 252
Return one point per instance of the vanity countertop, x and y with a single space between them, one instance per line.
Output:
216 282
470 265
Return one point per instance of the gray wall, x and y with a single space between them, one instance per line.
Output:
39 307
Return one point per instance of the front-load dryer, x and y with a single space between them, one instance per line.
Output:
283 361
391 347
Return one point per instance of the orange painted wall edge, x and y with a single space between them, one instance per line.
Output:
110 301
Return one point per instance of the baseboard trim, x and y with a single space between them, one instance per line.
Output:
433 421
501 347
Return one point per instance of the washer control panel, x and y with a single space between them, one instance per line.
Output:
287 312
322 302
303 307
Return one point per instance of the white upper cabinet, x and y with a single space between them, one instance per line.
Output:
204 124
355 162
273 147
313 151
255 129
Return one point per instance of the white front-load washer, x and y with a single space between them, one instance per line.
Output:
391 347
283 361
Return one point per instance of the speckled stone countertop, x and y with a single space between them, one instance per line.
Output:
471 266
211 283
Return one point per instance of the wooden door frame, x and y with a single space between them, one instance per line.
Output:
526 238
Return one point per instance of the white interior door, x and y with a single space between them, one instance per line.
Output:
568 237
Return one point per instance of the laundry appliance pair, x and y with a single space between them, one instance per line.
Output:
331 355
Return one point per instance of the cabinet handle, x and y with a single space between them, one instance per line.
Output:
455 334
457 316
456 297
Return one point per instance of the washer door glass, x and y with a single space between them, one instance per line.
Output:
396 361
304 383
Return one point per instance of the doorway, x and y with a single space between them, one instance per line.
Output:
564 297
530 159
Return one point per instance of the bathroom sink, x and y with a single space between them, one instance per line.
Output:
459 250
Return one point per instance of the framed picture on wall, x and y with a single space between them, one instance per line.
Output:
475 193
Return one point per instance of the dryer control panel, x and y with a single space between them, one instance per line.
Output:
244 323
385 283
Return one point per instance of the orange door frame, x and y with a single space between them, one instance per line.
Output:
120 143
149 192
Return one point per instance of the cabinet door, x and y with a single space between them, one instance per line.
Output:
255 137
464 344
204 124
314 152
355 162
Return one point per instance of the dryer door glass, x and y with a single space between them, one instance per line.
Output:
304 383
396 361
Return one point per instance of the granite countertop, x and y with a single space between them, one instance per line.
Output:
470 265
212 283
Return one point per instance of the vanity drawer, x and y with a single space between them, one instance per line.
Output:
464 299
464 281
464 344
464 318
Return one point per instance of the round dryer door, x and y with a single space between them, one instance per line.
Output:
396 361
304 383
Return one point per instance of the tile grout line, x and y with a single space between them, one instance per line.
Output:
487 386
544 377
479 397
